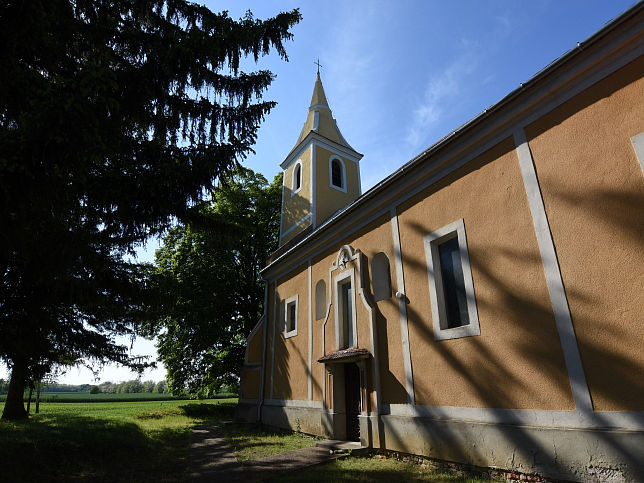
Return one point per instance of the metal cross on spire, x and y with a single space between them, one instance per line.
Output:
317 62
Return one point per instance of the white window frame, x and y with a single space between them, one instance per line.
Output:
337 282
295 191
342 188
291 300
439 317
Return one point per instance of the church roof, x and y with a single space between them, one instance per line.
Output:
320 118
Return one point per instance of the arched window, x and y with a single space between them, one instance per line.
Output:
296 182
337 174
297 177
380 277
320 300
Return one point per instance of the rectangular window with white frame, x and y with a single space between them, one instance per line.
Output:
345 311
451 288
290 317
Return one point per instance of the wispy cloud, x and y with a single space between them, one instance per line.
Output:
441 91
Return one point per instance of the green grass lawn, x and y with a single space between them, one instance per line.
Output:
150 441
370 469
251 442
101 441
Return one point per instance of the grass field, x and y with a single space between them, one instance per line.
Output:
82 397
101 441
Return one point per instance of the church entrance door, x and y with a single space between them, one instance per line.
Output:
352 400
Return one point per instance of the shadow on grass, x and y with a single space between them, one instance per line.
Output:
72 447
209 412
69 448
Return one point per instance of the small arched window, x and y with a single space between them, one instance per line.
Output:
380 277
336 174
297 177
320 300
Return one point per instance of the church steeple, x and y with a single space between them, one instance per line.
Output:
319 97
320 118
321 173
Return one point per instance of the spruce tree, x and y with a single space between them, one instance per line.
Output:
115 118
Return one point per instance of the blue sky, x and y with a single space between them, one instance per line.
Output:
399 75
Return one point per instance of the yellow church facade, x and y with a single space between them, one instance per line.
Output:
484 304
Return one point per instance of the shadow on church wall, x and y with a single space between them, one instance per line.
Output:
613 372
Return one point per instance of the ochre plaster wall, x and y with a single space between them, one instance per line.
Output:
255 346
299 205
329 200
269 339
290 375
250 384
517 360
327 126
593 191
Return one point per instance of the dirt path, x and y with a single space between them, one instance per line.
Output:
211 459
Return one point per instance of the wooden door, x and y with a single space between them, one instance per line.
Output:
352 400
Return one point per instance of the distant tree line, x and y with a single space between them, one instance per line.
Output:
133 386
56 387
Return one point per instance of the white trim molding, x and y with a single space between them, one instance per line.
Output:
629 420
638 146
343 168
563 319
288 302
436 288
316 107
327 144
402 307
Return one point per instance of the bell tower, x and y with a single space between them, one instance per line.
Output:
321 173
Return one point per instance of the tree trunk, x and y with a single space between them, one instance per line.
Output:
14 407
38 387
31 392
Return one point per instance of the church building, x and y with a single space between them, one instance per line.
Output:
484 304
